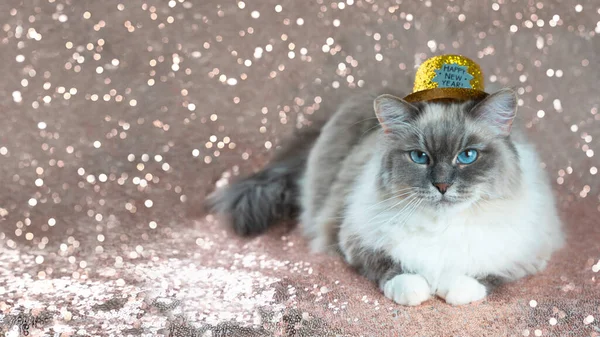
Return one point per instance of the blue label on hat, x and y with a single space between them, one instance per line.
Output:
453 76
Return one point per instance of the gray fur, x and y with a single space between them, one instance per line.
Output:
460 127
374 265
316 173
492 282
255 203
333 164
343 131
338 157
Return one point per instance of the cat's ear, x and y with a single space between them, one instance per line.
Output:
498 110
392 111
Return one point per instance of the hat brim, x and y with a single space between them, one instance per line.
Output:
460 94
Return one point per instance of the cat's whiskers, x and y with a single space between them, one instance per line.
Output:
408 199
399 191
411 209
412 202
410 213
410 190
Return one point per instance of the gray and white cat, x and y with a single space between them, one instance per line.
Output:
441 198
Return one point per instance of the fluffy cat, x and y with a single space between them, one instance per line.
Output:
441 198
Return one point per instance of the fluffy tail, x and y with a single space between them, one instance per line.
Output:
259 201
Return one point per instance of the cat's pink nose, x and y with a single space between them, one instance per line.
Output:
442 187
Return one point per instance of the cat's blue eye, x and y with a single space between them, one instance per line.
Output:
419 157
467 157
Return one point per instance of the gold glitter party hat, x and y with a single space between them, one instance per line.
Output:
448 77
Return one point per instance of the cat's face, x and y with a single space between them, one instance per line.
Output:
446 154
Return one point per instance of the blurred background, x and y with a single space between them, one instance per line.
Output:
119 117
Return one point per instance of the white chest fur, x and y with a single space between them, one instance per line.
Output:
508 238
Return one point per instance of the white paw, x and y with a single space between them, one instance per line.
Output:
464 290
407 289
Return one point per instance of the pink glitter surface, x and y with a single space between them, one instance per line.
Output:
119 117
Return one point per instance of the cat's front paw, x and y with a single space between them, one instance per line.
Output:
463 290
407 289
